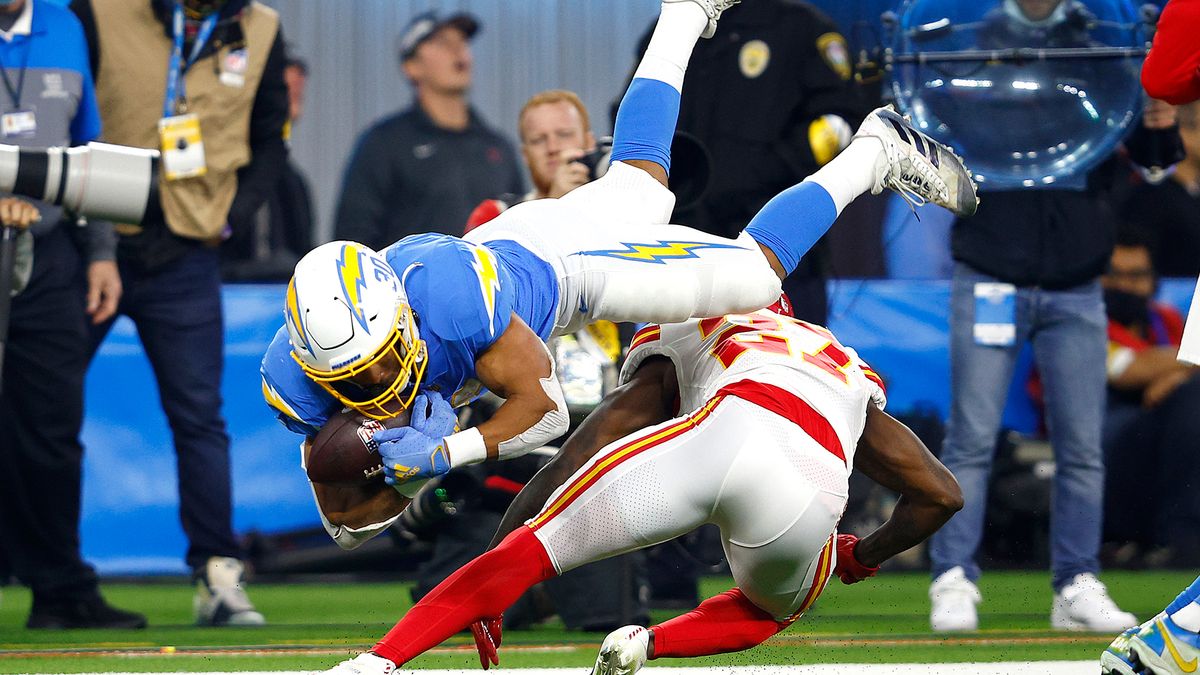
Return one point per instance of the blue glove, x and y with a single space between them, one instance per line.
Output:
410 455
418 451
433 416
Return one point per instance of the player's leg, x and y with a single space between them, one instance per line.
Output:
779 505
640 490
1168 644
649 110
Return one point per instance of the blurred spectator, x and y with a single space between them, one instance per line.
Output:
1169 212
424 169
1026 269
219 125
267 247
771 98
555 132
74 275
1150 424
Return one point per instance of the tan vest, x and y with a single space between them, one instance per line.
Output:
134 52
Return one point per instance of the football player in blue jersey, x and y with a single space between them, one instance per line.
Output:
437 319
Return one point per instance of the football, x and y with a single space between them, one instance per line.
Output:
344 451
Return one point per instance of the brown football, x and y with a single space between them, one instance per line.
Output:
344 451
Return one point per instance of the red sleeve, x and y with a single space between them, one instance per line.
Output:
487 210
1172 69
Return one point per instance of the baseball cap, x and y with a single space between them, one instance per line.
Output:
424 25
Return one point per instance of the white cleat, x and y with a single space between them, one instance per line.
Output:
623 651
1084 605
917 167
365 663
221 598
953 598
713 9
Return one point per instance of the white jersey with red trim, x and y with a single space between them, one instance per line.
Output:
801 358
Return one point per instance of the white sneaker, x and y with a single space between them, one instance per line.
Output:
917 167
623 651
952 598
365 663
1083 604
220 599
713 9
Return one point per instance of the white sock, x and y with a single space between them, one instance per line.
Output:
852 172
679 26
1188 618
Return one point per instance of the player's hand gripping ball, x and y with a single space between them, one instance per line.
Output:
418 451
344 452
848 568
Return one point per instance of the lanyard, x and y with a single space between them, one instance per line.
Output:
176 67
15 92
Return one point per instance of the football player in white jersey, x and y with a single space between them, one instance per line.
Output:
765 417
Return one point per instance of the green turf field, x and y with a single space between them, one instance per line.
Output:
313 626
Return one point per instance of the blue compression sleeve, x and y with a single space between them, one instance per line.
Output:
793 221
1188 596
646 122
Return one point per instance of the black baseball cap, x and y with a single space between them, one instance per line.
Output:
424 25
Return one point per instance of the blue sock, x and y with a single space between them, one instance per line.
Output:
1188 596
793 221
646 122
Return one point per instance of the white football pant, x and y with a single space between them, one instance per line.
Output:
776 494
616 259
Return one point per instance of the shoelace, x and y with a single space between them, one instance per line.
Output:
921 173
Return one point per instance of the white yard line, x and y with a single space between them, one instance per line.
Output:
1003 668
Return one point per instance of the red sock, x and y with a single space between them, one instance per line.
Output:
482 588
725 623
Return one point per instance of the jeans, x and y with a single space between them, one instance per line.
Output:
177 311
1068 332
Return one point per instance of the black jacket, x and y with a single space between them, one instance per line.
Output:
408 176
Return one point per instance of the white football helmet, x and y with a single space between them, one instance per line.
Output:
352 330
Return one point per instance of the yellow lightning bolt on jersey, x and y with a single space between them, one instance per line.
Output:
489 280
658 252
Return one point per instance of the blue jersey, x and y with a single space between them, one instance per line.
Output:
464 297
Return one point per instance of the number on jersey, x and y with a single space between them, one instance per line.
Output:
740 333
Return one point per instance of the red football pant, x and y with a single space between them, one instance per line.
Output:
483 588
725 623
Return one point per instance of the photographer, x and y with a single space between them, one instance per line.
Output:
558 147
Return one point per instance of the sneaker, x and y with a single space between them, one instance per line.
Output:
1083 604
623 651
220 599
89 611
713 9
1116 659
1161 647
952 598
918 168
365 663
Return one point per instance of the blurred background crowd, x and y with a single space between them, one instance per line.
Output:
373 120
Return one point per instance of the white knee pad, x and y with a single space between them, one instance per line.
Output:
747 286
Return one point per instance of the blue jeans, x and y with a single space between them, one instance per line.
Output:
1068 332
177 311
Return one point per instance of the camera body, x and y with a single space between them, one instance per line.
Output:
598 159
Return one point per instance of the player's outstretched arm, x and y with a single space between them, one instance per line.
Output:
645 400
518 368
352 514
892 455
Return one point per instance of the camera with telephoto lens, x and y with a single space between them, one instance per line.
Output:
597 160
97 180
